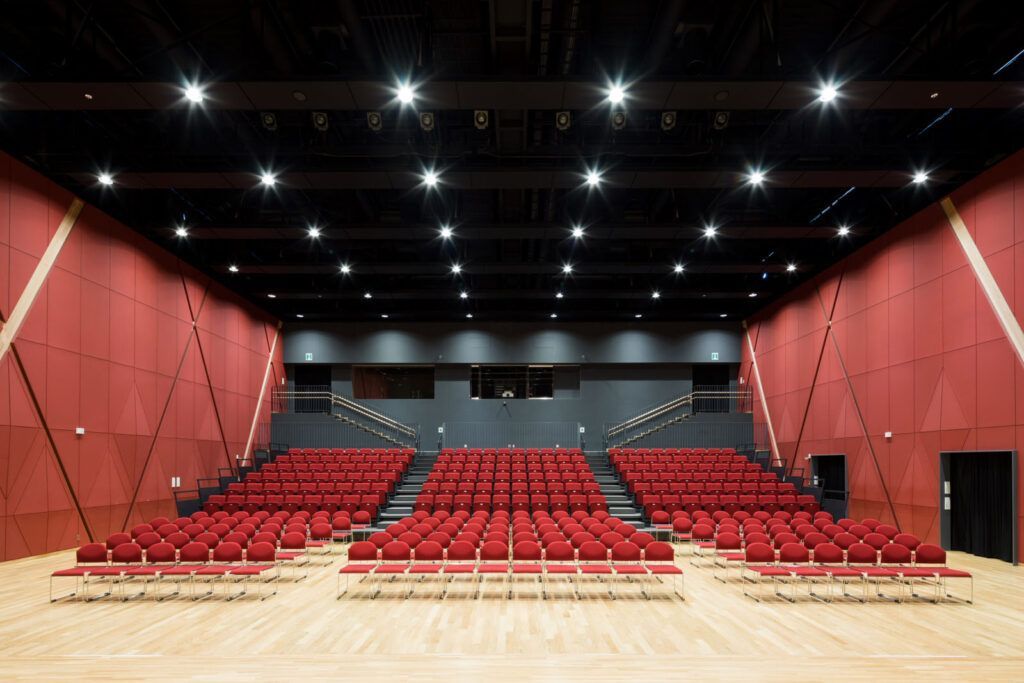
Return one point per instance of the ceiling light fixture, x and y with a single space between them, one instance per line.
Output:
791 268
593 178
577 232
655 294
920 177
638 315
299 315
456 269
755 177
616 94
193 93
843 231
446 232
463 295
430 178
271 296
345 269
105 179
469 315
723 315
314 232
405 93
181 231
367 295
710 231
678 268
232 268
554 315
752 295
384 315
567 268
268 179
828 93
559 295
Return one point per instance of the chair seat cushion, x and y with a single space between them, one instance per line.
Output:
492 569
527 569
595 569
108 571
251 569
214 570
769 571
732 557
75 571
682 537
915 572
315 544
357 568
842 572
143 571
630 569
425 568
391 569
800 570
663 569
948 573
561 569
878 572
705 544
459 568
180 570
288 556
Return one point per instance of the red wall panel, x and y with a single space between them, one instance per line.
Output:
109 345
923 352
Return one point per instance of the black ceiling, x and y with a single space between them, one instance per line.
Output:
923 85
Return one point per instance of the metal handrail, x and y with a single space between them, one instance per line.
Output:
349 405
671 405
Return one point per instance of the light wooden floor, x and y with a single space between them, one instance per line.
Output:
303 633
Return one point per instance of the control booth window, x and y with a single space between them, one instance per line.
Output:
392 381
518 381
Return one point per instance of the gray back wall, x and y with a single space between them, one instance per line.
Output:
622 370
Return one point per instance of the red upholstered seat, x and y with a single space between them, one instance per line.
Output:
492 568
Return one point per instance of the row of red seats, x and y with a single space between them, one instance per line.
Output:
535 502
506 487
701 452
313 453
252 502
710 503
228 563
483 452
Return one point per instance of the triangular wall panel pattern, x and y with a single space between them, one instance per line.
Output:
109 345
911 347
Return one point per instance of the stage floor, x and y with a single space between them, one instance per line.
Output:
304 633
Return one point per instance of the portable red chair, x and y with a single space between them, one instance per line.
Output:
362 560
493 562
829 557
795 558
932 558
461 560
395 560
87 558
428 560
728 550
659 560
259 563
864 558
158 556
226 556
593 561
626 559
527 560
759 565
560 560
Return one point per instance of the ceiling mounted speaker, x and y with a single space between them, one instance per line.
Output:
374 120
269 120
619 120
481 119
721 121
427 121
320 121
668 120
563 120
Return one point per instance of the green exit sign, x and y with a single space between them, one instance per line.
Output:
714 355
309 356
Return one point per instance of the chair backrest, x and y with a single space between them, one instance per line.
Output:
410 538
659 551
429 551
261 551
264 537
887 530
221 530
642 539
814 539
320 531
396 551
871 523
794 552
929 553
526 551
660 517
702 532
682 525
196 551
161 552
861 553
624 551
759 553
592 551
876 540
560 551
180 539
611 538
395 530
293 541
228 551
236 537
114 540
91 553
494 551
166 529
828 553
728 541
757 537
461 551
147 539
894 553
845 540
362 551
139 529
909 540
127 552
380 538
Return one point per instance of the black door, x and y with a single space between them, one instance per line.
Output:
981 509
312 377
830 473
710 382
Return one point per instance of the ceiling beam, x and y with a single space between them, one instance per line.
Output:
540 93
436 268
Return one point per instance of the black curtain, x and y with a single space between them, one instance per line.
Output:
981 504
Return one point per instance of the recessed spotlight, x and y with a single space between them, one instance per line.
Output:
271 296
456 269
616 94
463 295
345 268
181 231
639 315
577 232
105 179
446 232
469 315
567 268
367 295
710 231
405 93
430 178
723 315
593 178
559 295
655 294
87 95
299 315
193 93
755 177
791 268
268 179
920 177
843 231
232 268
752 295
385 316
827 93
314 232
553 315
678 268
933 95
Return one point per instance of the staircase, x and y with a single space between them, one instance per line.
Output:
387 438
673 412
620 502
323 401
653 430
401 503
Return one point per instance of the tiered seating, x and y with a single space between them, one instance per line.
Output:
507 545
510 479
218 548
801 550
328 479
671 479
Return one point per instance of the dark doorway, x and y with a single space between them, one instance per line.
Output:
711 386
312 377
829 472
978 493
